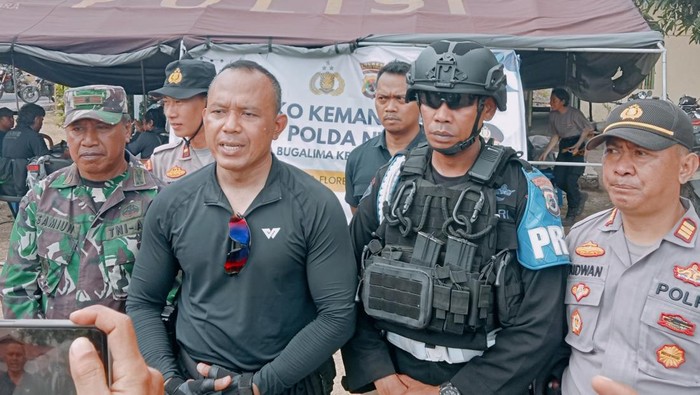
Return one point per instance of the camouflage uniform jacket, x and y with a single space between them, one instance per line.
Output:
66 252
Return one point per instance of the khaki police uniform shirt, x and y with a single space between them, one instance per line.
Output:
170 162
635 322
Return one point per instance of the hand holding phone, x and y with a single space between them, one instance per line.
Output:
129 373
35 355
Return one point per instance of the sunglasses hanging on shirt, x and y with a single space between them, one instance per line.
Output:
239 233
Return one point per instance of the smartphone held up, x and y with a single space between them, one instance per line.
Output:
34 355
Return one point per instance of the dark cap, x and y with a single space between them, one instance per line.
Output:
653 124
6 112
186 78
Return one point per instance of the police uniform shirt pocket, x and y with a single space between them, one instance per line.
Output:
669 346
582 300
120 243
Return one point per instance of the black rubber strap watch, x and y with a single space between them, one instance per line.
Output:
449 389
245 384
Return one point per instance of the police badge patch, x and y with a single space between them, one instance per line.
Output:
670 356
550 197
576 323
689 274
589 249
176 172
677 323
580 291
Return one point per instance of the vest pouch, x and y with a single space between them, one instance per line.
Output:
397 292
509 291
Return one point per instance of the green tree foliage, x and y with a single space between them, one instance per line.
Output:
673 17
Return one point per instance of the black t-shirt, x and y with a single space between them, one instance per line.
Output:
23 142
284 314
144 143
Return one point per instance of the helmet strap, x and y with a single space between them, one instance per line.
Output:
188 141
462 145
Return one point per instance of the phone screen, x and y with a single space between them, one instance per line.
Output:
36 351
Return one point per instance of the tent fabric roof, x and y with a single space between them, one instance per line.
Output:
41 35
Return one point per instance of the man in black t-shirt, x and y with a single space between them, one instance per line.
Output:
24 141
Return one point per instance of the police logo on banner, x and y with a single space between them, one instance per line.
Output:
327 82
369 77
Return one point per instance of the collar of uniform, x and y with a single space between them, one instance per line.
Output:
420 137
381 141
272 191
139 178
683 233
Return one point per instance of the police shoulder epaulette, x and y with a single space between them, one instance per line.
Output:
167 147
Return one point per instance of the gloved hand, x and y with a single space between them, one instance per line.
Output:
178 386
241 384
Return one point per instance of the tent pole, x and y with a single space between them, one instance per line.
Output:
664 71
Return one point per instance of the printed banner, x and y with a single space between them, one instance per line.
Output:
330 104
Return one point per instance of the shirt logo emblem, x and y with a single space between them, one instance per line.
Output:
176 172
670 356
580 291
589 249
689 274
502 192
175 77
677 323
131 210
632 112
576 323
270 233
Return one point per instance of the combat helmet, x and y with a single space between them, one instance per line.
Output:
464 67
458 67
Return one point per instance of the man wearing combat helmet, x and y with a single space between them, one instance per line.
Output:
463 260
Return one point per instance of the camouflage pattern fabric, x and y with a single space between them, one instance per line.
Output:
106 103
73 245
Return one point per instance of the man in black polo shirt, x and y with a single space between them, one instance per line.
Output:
402 131
24 140
268 278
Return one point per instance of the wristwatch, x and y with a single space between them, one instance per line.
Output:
448 389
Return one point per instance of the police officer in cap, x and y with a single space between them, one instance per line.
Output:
184 97
461 248
634 286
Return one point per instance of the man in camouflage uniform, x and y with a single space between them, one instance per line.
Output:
184 96
78 230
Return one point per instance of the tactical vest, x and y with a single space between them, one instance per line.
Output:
434 276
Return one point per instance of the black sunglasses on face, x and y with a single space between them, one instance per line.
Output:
454 101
